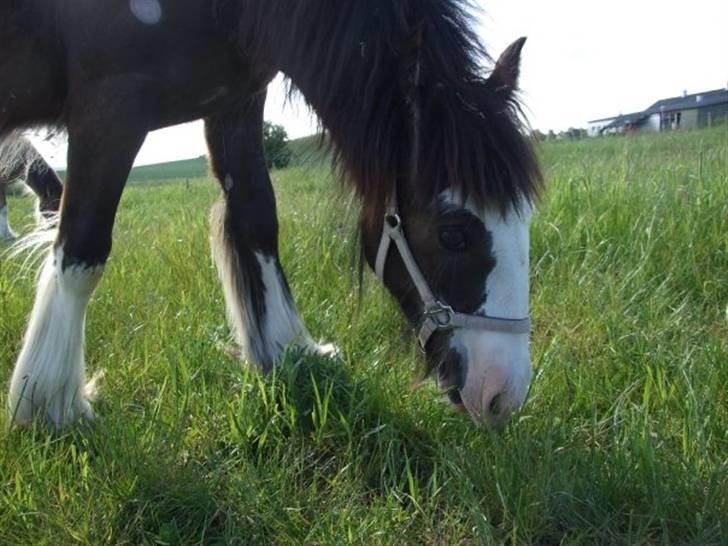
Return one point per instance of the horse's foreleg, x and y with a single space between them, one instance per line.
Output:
49 376
245 240
5 231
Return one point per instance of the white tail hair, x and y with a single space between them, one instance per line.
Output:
15 154
32 246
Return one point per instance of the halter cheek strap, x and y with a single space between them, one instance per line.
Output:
436 316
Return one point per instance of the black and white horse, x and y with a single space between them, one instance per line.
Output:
21 162
431 144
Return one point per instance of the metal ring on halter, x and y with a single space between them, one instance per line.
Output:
436 311
393 221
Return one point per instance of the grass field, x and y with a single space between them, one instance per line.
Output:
624 439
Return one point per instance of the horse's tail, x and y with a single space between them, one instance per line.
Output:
30 248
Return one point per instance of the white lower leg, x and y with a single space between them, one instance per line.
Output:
49 376
282 325
5 231
262 338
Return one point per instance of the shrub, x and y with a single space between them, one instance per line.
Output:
275 143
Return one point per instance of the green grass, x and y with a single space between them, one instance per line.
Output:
624 439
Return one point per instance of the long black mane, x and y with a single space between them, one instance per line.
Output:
400 88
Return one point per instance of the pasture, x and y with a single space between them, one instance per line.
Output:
624 439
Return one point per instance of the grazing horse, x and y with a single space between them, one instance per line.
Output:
19 160
432 144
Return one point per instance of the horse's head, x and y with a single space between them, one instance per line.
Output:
453 244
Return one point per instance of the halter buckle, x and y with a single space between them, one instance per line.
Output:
443 316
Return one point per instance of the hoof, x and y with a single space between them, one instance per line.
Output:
236 352
232 350
57 407
325 349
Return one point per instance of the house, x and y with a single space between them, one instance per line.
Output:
623 123
684 112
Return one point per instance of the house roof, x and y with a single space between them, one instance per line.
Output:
684 102
601 119
612 119
687 102
626 119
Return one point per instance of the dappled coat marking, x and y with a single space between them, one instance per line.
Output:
148 12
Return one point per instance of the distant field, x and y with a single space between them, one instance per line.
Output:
624 439
174 170
305 152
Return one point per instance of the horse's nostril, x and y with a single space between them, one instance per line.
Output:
454 396
494 408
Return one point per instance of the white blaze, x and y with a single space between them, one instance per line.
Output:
507 285
498 364
148 12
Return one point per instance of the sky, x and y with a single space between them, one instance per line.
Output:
584 60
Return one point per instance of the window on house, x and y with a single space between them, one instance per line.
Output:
670 121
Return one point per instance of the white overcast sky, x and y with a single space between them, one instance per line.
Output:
584 60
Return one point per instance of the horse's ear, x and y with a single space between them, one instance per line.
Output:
504 78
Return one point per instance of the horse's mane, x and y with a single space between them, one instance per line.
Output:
366 67
356 62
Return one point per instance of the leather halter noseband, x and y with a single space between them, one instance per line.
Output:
437 316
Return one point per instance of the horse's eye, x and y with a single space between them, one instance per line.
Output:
453 238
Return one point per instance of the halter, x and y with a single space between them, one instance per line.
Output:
437 316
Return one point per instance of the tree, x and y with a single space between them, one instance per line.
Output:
275 144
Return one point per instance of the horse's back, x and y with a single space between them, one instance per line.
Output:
170 57
31 65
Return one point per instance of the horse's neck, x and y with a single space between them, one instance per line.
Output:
333 55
